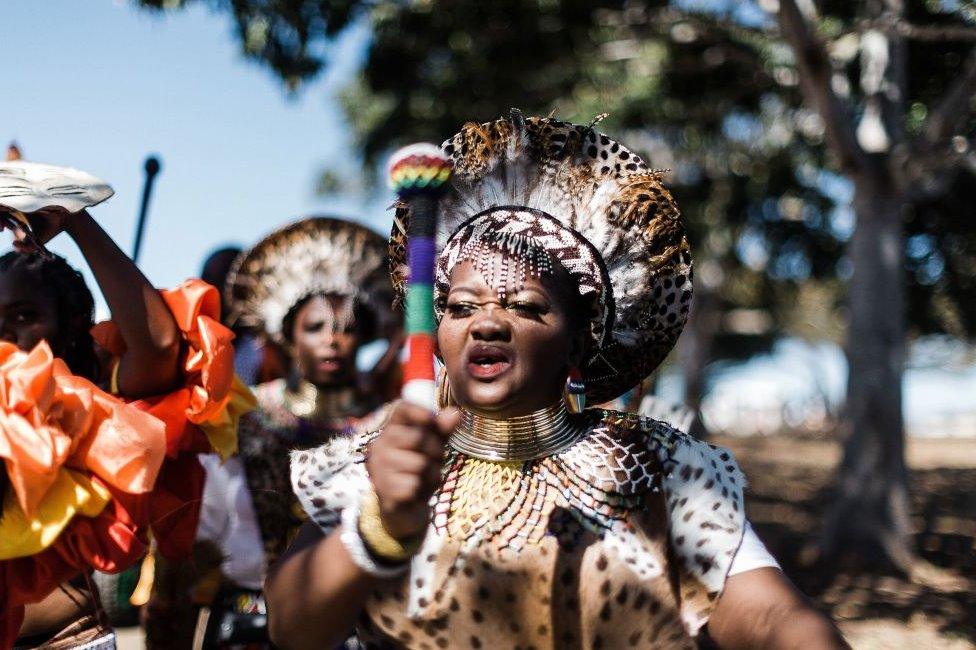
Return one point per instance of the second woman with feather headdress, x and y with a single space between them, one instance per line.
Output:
318 288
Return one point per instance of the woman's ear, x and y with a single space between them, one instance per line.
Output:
578 347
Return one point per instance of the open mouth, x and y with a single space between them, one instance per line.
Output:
488 361
329 365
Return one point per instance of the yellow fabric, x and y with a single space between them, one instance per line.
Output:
113 384
72 493
50 418
221 427
147 574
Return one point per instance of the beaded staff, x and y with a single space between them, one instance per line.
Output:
419 174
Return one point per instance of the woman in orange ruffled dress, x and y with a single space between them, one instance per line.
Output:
88 472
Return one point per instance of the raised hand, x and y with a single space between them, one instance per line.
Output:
48 223
43 226
404 464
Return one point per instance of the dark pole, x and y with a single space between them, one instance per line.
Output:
152 167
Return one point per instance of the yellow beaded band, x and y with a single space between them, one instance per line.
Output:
377 539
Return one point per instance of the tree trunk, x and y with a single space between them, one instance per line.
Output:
696 351
870 516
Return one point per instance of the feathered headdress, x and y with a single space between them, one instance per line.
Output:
593 206
314 256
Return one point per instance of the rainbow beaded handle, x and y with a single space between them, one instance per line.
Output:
420 174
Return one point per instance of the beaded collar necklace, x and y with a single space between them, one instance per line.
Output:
542 433
315 405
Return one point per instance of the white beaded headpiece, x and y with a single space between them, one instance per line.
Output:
314 256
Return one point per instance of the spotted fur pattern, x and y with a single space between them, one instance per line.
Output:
608 201
676 415
660 511
318 255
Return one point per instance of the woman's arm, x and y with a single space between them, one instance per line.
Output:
150 365
68 603
315 592
763 609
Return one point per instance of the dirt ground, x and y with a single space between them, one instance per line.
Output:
789 489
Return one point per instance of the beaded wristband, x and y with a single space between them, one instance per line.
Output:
377 538
361 557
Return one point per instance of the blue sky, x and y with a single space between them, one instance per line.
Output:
98 85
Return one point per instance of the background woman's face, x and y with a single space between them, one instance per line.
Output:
28 313
323 354
504 358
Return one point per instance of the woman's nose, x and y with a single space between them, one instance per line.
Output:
491 326
328 338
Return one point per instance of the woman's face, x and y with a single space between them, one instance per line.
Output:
28 314
324 354
505 358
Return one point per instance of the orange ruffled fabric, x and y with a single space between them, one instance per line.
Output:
197 416
109 542
200 417
115 470
53 422
79 463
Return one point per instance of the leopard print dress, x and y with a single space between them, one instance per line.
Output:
624 540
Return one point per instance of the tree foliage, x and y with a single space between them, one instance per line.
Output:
287 36
706 88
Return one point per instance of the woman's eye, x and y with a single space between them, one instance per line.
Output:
460 309
529 308
24 317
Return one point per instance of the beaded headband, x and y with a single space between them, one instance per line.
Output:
531 242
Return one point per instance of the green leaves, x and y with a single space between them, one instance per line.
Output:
706 89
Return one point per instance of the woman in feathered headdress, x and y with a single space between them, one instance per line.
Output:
562 271
99 441
320 289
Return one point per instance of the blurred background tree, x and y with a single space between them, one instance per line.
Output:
821 152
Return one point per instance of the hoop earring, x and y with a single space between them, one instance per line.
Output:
575 393
445 398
